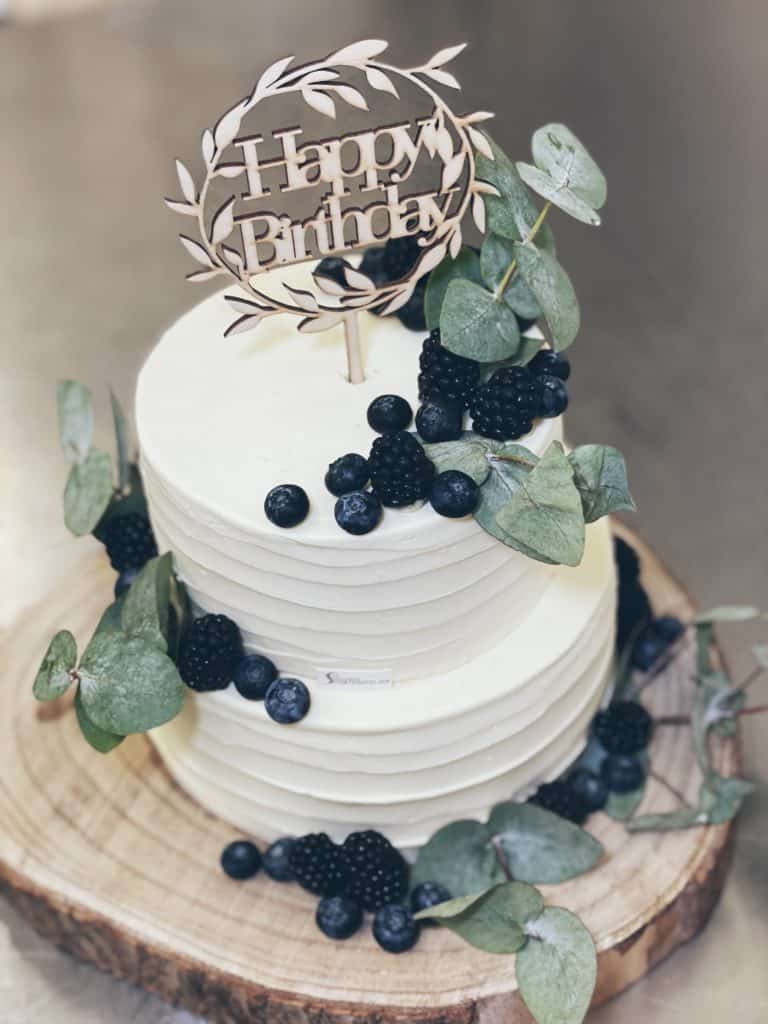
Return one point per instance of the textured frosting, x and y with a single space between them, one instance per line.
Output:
498 661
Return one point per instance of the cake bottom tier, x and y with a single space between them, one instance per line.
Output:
409 758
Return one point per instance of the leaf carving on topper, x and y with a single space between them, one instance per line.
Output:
240 239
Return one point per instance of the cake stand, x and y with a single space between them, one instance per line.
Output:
110 860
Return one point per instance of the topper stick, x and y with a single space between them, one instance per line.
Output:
354 355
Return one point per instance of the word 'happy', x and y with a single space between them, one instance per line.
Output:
377 160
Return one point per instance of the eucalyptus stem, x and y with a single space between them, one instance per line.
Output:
504 283
496 843
513 458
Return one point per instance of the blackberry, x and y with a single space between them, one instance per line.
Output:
210 652
377 873
411 315
505 406
400 255
317 865
444 374
623 728
401 473
634 609
627 561
560 799
129 541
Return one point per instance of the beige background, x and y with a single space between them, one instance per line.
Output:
671 366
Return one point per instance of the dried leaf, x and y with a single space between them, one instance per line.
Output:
485 188
306 300
446 55
358 53
378 80
208 146
478 213
313 325
245 323
454 246
196 251
357 280
230 170
228 124
223 221
178 207
271 75
188 189
320 101
398 301
477 117
351 96
452 171
480 142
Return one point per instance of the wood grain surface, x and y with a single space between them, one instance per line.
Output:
108 858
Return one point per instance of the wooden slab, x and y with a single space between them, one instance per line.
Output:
112 861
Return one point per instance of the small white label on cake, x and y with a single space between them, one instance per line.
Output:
355 678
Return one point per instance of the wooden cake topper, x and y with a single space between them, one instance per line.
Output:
242 237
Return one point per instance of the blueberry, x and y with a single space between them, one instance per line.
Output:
589 788
287 701
394 928
454 494
622 773
241 860
648 648
428 894
400 256
286 505
411 315
389 413
547 363
348 473
668 628
439 419
124 581
333 268
277 860
338 917
358 512
253 676
627 562
554 397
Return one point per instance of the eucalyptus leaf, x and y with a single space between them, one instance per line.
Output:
145 609
671 821
705 639
468 454
466 265
496 256
459 856
541 847
721 799
54 675
492 921
111 617
75 410
553 290
87 492
560 196
600 474
545 519
475 325
128 686
558 153
98 738
727 613
134 502
513 213
557 968
622 806
121 442
530 344
505 481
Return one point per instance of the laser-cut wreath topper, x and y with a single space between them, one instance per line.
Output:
268 238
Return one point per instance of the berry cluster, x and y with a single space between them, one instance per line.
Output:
364 874
211 656
130 544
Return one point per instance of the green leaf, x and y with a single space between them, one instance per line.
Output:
110 621
622 806
530 344
473 324
75 419
553 290
492 921
600 474
671 821
505 481
145 609
121 442
541 847
545 519
134 502
721 799
468 454
87 492
557 969
560 196
459 856
53 677
558 153
466 266
727 613
513 213
98 738
128 686
496 257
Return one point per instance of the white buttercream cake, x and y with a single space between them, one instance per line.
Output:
488 666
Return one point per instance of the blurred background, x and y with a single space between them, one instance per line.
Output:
97 98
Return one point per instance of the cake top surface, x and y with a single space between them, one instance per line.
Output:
225 420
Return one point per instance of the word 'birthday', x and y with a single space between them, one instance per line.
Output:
377 160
